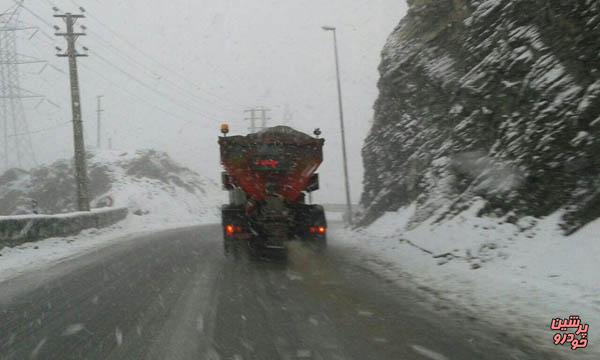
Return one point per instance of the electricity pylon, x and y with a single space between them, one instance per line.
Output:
264 118
16 149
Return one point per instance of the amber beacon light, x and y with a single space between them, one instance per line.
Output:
225 129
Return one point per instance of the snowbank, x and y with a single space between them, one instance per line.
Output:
159 194
147 182
36 256
520 276
159 191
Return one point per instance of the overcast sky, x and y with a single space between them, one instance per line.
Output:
172 71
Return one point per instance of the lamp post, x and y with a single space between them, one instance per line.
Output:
339 88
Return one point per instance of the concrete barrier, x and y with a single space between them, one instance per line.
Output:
15 230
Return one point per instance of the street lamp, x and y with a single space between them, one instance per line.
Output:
339 87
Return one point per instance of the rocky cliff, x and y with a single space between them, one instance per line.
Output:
493 99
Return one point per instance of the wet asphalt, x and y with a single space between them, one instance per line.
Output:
177 295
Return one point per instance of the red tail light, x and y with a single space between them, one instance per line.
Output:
321 230
229 229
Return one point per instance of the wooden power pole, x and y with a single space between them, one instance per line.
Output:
71 36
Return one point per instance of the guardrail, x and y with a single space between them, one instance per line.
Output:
19 229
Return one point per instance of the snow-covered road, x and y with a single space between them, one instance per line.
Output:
174 295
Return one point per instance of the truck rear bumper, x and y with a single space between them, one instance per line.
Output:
238 237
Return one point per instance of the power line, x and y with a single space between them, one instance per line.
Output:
119 88
61 125
121 53
37 16
187 103
138 81
139 64
134 96
151 58
13 11
183 104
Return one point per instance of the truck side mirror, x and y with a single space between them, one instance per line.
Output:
226 179
313 183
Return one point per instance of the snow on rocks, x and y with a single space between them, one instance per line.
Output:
503 88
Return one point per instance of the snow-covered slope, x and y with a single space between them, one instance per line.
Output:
159 193
497 99
149 183
518 276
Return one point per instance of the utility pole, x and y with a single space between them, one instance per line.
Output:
341 109
71 36
99 112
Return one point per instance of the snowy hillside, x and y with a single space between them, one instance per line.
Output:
498 99
159 193
149 183
512 275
